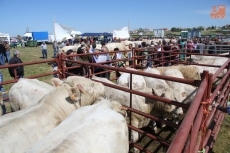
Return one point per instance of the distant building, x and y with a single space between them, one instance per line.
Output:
159 33
190 34
147 30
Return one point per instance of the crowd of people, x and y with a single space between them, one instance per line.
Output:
196 45
15 72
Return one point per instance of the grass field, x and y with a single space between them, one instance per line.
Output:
29 54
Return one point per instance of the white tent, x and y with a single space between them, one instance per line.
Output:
122 33
73 33
61 33
5 37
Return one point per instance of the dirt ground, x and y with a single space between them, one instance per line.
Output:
154 146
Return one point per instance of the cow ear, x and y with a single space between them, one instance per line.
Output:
56 82
80 87
183 94
116 106
156 92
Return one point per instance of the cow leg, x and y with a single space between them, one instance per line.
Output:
3 109
163 124
153 125
135 135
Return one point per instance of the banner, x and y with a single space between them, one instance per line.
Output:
122 34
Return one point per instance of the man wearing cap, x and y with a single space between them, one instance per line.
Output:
19 69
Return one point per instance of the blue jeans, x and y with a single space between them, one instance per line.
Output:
44 53
8 55
2 59
149 63
1 80
55 53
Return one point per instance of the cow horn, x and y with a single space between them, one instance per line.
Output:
80 87
123 108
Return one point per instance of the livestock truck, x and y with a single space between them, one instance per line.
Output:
39 37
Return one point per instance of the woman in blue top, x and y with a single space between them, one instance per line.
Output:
183 47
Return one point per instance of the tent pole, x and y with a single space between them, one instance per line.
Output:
54 30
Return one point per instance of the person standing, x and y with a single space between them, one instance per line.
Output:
183 48
55 48
44 50
130 54
23 42
3 57
7 47
3 107
119 64
19 69
2 62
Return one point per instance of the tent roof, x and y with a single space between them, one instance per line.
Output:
97 34
76 32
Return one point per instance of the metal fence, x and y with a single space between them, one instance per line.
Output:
200 125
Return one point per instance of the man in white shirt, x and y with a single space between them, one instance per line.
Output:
44 50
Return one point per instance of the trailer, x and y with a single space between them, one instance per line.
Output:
37 37
5 37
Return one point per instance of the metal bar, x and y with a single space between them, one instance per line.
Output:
183 131
162 141
153 117
186 81
212 97
139 147
221 69
130 102
205 104
195 132
27 63
213 128
144 94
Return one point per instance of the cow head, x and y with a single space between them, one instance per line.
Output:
75 93
116 106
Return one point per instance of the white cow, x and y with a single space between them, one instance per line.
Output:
177 88
138 81
138 102
185 93
163 90
21 129
27 92
188 71
211 61
99 128
73 47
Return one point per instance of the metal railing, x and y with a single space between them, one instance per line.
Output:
199 127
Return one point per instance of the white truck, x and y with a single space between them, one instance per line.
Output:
39 37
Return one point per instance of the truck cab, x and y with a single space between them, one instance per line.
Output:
184 34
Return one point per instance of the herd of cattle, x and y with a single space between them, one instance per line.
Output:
123 45
82 115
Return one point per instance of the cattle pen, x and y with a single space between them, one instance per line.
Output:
197 129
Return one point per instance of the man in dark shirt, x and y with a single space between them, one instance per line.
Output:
2 62
2 54
19 69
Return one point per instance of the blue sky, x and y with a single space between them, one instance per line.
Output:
107 15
